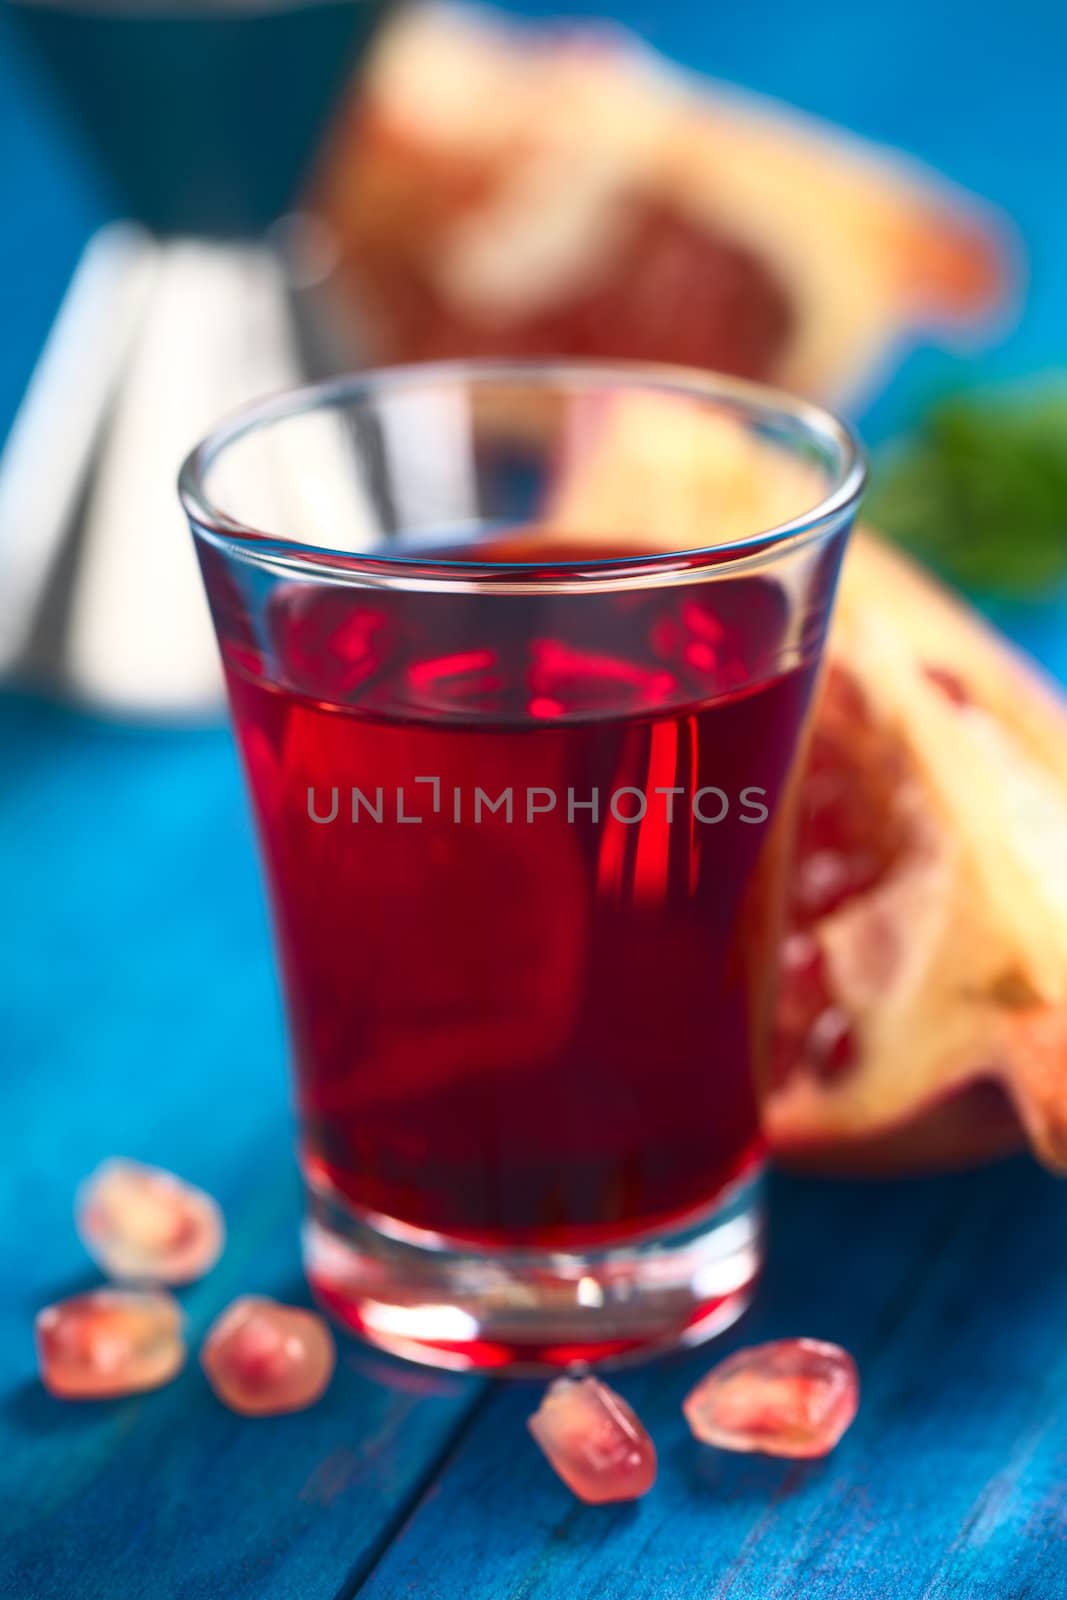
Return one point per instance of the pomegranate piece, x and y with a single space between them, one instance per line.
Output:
140 1222
809 1026
109 1342
262 1358
950 683
853 831
792 1397
594 1441
669 290
851 827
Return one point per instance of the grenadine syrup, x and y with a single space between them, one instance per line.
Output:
524 856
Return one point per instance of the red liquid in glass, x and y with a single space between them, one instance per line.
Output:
542 1031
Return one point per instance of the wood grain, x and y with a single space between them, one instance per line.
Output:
951 1483
139 1017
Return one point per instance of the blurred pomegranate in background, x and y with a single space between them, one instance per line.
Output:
501 189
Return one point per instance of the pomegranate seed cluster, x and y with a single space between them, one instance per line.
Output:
148 1229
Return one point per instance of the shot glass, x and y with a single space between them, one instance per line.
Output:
520 659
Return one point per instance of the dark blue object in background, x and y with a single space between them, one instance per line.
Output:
204 117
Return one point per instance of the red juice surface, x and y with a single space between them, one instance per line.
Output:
536 1022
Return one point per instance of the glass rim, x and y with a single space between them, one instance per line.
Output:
753 400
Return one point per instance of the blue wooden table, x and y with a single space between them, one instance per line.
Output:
138 1013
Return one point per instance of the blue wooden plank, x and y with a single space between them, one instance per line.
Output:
138 1015
951 1483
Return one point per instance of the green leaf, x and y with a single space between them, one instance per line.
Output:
981 491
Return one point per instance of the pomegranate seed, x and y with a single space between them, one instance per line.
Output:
140 1222
793 1397
262 1358
594 1441
109 1342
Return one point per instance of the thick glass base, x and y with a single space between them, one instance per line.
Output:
452 1305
